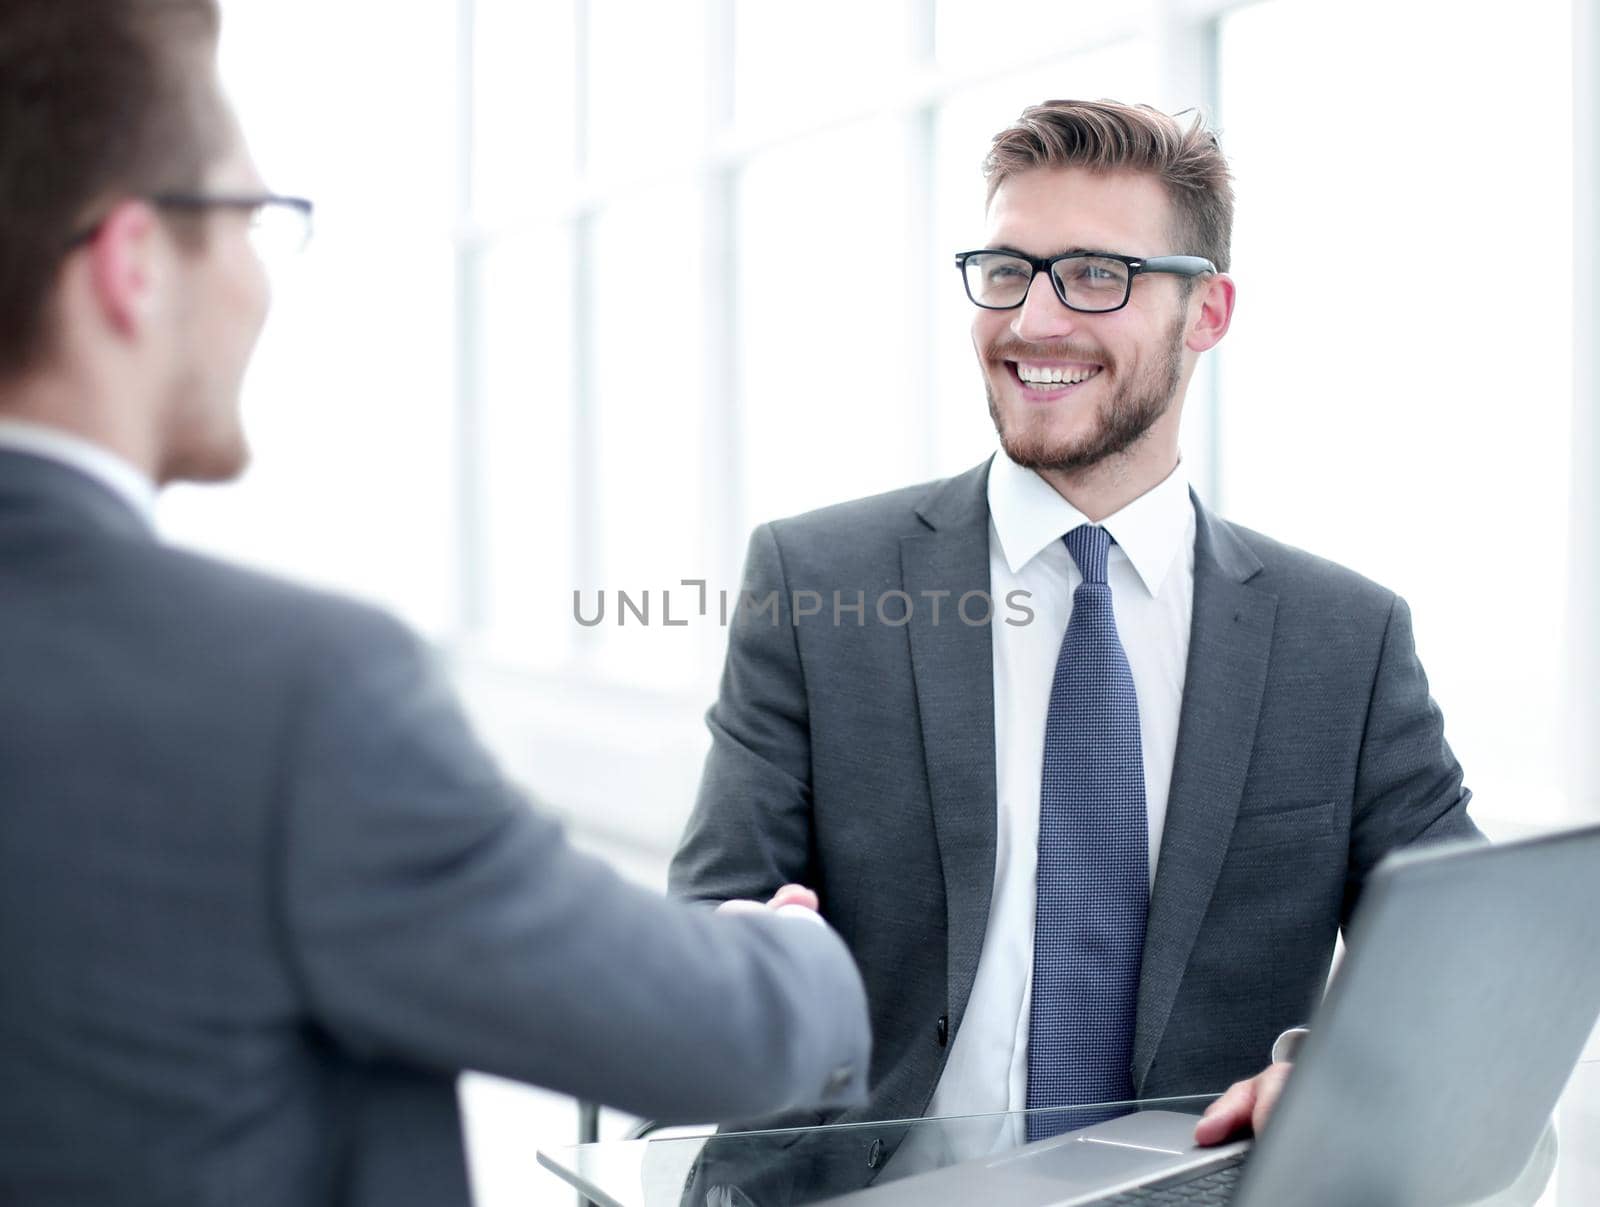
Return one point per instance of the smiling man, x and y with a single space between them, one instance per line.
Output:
1072 394
1100 849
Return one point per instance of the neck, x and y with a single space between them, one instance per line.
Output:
79 410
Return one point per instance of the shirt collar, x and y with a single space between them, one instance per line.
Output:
1029 516
52 443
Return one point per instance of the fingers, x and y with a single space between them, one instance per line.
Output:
1228 1115
1269 1086
1246 1106
794 894
789 894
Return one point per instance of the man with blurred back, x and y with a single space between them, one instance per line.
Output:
262 895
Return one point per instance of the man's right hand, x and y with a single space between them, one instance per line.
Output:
1245 1107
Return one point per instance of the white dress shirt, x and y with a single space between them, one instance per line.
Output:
118 476
1151 574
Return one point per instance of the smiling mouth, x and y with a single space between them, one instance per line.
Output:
1051 381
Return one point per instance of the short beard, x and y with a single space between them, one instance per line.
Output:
1124 420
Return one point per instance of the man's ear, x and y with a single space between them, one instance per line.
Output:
126 265
1210 312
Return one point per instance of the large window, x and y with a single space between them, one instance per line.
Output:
599 286
351 403
1397 391
724 297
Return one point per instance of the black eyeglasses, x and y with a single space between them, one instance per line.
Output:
279 226
1093 282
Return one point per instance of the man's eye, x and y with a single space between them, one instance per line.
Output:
1095 274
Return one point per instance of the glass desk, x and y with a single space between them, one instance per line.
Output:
799 1166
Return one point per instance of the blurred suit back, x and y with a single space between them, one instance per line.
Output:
262 896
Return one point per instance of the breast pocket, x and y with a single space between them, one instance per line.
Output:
1292 823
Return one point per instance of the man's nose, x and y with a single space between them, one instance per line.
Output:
1042 317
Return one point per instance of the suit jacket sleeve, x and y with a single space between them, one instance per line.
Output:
431 915
1408 783
750 831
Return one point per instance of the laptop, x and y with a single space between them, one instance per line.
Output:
1468 990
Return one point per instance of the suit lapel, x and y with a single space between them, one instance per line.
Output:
952 667
1230 641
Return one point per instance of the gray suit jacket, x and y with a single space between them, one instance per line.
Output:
262 896
860 759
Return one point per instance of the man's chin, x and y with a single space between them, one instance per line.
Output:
1044 455
1041 451
212 465
1034 446
1033 442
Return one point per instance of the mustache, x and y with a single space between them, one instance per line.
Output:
1015 349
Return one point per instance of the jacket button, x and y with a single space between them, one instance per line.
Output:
941 1030
875 1154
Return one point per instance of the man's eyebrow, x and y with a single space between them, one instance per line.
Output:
1065 251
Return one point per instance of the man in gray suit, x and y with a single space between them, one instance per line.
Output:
1087 777
262 895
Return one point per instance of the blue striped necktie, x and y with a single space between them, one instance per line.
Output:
1093 885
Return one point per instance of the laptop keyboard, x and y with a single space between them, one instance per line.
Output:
1214 1186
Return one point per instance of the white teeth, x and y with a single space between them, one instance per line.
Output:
1039 375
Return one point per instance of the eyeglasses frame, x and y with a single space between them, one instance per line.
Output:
196 202
1183 266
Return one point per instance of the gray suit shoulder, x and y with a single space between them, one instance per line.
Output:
1289 570
893 509
251 617
858 531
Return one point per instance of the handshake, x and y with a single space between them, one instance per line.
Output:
1243 1109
